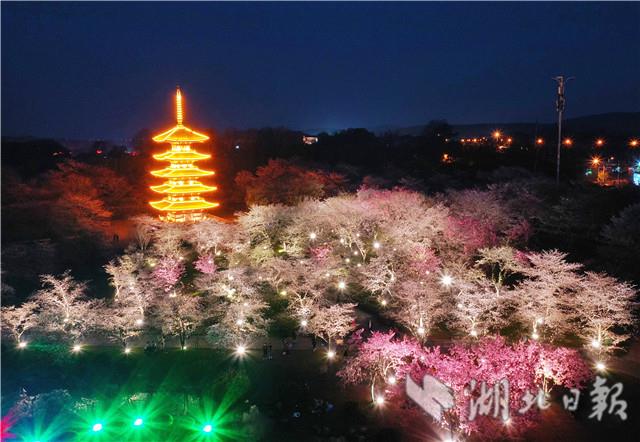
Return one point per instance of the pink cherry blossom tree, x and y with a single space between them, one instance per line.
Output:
168 272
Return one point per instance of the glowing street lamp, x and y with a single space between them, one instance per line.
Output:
599 142
539 141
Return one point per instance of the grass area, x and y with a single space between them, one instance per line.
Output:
294 397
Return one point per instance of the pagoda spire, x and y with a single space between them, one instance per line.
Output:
179 111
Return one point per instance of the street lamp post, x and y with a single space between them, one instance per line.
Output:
560 103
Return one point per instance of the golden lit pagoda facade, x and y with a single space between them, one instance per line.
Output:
182 190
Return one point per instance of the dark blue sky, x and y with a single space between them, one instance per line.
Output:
90 70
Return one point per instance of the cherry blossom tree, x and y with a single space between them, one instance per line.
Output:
179 315
549 285
18 320
500 262
333 322
64 308
382 362
604 310
205 264
120 323
168 272
478 308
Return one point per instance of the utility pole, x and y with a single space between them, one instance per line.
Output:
560 103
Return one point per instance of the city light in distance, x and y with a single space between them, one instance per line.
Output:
595 161
599 142
539 141
497 134
567 142
634 143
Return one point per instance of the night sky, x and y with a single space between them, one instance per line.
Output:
107 70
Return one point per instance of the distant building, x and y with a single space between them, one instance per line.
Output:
308 139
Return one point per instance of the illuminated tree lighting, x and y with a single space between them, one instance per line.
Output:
539 141
600 366
127 350
76 348
241 350
376 245
138 422
567 142
22 344
379 400
599 142
342 285
139 321
97 427
595 343
392 380
182 190
313 235
304 323
634 143
496 134
446 280
207 428
331 354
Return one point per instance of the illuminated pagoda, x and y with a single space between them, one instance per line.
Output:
182 189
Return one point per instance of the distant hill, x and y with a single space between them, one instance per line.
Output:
612 123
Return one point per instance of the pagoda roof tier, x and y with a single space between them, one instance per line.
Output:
178 189
172 155
190 172
179 206
180 134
